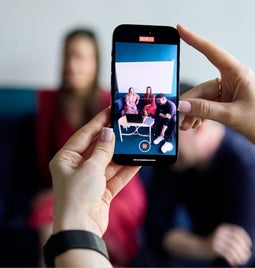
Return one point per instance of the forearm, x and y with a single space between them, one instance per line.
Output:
82 258
76 248
185 244
78 256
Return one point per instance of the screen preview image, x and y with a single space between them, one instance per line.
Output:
141 68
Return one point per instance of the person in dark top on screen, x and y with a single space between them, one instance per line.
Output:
165 122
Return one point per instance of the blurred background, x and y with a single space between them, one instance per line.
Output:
32 31
31 43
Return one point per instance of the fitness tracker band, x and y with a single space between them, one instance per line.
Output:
70 239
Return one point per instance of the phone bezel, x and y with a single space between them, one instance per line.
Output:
162 35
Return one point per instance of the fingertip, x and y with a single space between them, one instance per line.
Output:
106 134
184 106
180 27
103 150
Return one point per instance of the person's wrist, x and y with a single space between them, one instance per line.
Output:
72 239
75 222
72 214
206 247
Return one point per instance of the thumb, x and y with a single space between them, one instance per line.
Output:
206 109
103 150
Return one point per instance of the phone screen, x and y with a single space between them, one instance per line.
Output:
145 91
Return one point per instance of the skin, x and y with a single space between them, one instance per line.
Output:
197 147
83 168
162 101
148 90
235 103
236 106
79 70
80 65
83 165
228 241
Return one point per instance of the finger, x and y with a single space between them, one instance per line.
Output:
187 122
232 251
207 90
111 170
215 54
241 237
206 109
103 150
85 135
122 177
197 123
222 247
234 243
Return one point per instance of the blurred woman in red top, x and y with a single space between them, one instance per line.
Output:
61 112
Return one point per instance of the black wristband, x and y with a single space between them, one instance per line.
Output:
70 239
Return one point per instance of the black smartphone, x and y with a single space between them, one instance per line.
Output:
145 94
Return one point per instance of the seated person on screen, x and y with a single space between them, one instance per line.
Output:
131 102
149 108
165 122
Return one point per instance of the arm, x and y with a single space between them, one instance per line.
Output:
228 241
183 243
82 258
137 99
84 183
153 101
170 110
127 101
237 94
165 115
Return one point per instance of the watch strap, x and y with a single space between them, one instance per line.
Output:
71 239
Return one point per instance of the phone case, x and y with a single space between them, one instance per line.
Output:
145 93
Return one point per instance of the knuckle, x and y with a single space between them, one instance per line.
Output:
204 109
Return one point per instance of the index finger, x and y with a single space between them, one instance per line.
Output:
219 57
80 141
199 92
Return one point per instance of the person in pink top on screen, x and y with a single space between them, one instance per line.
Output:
131 102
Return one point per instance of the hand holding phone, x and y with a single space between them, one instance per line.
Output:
145 93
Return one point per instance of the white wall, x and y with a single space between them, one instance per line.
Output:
31 33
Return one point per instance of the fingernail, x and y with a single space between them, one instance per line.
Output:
106 134
184 106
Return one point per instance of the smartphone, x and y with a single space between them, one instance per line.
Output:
145 93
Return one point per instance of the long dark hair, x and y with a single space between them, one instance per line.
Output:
85 33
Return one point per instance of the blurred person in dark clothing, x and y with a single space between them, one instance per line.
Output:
201 210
